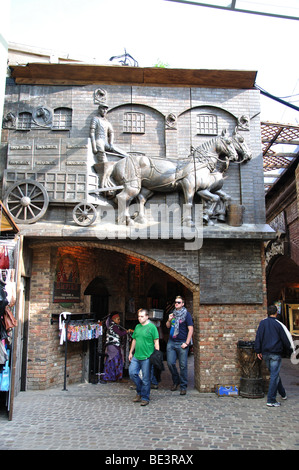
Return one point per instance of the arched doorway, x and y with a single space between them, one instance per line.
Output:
99 301
282 273
283 287
117 278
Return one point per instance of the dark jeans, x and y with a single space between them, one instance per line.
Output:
174 352
273 362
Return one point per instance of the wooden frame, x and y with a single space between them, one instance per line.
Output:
294 318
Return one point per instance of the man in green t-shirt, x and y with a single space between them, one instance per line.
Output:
145 341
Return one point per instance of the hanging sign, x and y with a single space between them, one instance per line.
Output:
67 285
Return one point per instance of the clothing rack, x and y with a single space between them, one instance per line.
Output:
76 316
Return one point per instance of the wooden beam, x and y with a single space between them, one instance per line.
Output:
80 74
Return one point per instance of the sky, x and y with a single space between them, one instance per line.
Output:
177 35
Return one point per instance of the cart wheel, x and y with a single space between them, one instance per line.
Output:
84 214
26 201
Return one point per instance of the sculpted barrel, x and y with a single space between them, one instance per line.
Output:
251 382
235 215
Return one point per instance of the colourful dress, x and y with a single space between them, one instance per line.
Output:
113 369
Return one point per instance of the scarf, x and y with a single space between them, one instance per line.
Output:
289 336
179 317
112 336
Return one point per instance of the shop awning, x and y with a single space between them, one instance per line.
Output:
7 224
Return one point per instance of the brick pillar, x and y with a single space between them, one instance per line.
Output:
39 320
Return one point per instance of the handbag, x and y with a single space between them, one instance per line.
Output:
9 319
4 258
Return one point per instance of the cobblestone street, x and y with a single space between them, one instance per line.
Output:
103 417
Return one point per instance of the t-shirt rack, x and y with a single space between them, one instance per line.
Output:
82 330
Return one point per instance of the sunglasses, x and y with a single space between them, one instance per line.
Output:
178 302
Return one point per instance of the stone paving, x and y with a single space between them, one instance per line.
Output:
103 417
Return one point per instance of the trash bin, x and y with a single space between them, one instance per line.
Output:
251 382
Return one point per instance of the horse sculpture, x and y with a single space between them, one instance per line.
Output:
216 200
142 176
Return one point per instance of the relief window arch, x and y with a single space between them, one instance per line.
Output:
207 124
24 121
134 123
62 119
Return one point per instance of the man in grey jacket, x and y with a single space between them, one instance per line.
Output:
271 343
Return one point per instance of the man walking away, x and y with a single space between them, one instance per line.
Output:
271 343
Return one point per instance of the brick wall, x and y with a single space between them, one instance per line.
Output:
219 328
231 272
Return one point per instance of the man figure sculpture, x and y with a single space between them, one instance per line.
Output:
102 135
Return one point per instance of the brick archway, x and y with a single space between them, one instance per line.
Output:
194 288
187 283
282 272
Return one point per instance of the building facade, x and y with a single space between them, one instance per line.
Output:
282 253
50 170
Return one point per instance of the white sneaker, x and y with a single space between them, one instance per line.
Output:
274 404
284 398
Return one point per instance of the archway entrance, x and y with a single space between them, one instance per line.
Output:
115 278
282 273
125 283
283 288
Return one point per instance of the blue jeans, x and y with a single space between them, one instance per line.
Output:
143 387
174 352
273 362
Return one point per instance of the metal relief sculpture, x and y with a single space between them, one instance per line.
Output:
42 116
102 137
119 177
142 176
138 177
100 96
243 123
171 121
9 121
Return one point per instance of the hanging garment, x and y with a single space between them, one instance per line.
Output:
3 297
79 330
3 353
5 378
4 258
62 329
9 319
10 287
